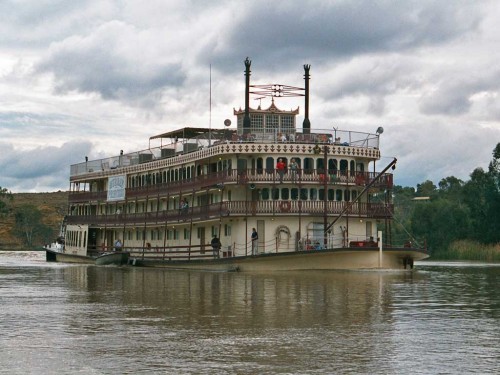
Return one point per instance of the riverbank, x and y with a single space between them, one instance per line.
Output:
470 250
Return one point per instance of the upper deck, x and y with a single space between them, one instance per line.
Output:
192 144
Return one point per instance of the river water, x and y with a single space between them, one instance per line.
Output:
441 318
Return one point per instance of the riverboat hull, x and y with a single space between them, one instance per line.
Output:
117 258
61 257
331 259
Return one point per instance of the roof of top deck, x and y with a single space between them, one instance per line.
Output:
188 132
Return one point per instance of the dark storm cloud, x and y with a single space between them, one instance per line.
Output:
36 23
281 32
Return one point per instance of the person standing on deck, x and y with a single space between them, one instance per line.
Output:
280 168
216 245
255 242
118 245
293 169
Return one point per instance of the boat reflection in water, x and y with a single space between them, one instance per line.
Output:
60 318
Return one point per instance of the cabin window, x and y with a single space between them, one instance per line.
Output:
265 194
285 193
332 166
275 193
354 194
343 167
294 193
260 165
227 230
242 166
272 124
304 194
257 123
320 165
331 194
270 165
347 195
187 234
215 230
287 124
321 193
313 194
353 167
308 165
338 195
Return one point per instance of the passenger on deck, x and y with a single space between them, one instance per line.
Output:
280 168
216 245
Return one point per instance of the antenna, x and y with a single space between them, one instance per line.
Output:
260 100
210 114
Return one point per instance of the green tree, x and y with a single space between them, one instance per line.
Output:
29 227
440 222
5 198
426 189
481 197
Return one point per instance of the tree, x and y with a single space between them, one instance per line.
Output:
28 226
440 222
426 189
5 198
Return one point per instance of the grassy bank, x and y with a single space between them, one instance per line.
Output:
470 250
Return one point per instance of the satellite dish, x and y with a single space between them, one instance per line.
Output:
380 130
227 122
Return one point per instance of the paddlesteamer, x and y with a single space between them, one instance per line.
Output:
326 209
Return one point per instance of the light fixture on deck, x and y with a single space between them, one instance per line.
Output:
380 130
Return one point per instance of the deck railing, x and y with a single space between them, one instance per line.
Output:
260 178
237 208
357 140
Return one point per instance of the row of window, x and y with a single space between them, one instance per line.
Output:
171 234
259 165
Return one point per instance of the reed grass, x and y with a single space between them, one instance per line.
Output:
470 250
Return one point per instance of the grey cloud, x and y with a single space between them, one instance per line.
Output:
99 64
281 32
42 161
454 91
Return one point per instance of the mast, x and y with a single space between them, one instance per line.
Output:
246 119
306 125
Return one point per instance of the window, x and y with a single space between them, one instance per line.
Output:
285 194
308 165
304 194
276 193
338 195
270 165
272 123
347 195
227 230
313 194
331 194
294 193
287 124
257 123
265 194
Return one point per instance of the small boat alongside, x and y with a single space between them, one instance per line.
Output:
55 252
277 196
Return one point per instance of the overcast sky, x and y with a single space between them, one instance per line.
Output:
92 77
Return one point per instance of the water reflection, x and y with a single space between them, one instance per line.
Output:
438 319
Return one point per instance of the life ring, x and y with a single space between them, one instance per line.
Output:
285 206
